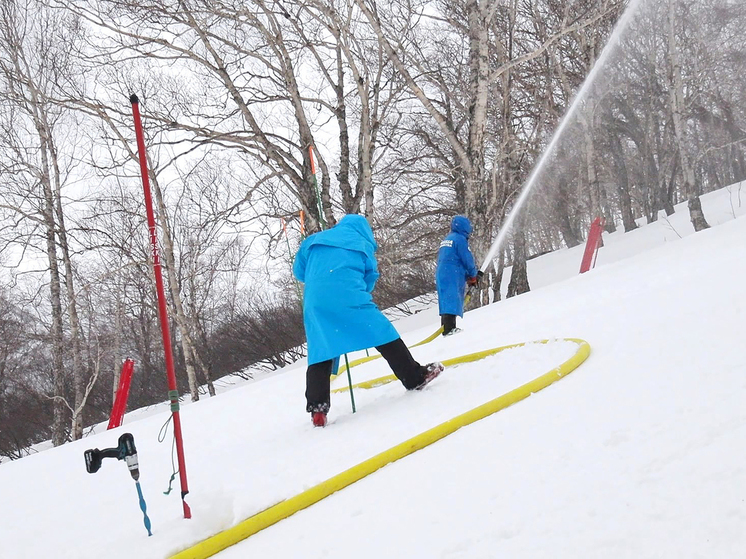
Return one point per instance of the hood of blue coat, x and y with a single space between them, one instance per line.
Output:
352 232
360 225
461 224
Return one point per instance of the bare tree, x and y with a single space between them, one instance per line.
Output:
505 43
679 125
34 58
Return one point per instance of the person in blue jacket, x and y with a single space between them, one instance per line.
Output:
455 270
339 270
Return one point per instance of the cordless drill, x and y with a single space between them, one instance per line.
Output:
124 451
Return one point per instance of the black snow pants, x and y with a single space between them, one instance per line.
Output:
396 353
449 323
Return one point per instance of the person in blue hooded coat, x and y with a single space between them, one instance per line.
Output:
339 270
455 270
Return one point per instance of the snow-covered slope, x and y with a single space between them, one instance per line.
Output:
638 453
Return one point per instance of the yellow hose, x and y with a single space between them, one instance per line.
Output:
367 358
283 509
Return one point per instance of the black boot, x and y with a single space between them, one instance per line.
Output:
406 369
449 323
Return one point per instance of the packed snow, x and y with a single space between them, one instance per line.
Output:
637 453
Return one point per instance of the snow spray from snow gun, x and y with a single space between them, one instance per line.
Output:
124 451
614 40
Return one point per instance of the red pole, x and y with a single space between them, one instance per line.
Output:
591 245
123 391
173 392
599 241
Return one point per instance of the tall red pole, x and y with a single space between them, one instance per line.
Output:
173 393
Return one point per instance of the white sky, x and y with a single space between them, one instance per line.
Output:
637 453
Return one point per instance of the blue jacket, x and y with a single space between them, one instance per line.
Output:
339 271
455 266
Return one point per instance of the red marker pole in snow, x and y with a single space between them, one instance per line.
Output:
173 393
120 401
592 244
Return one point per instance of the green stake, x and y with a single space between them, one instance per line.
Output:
349 382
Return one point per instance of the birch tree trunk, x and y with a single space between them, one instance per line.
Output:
622 183
58 373
589 152
479 79
80 377
59 435
52 229
192 360
26 79
519 276
696 215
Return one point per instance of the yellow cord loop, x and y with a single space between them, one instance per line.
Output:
362 360
282 510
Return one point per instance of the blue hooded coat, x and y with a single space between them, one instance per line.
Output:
339 271
455 266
